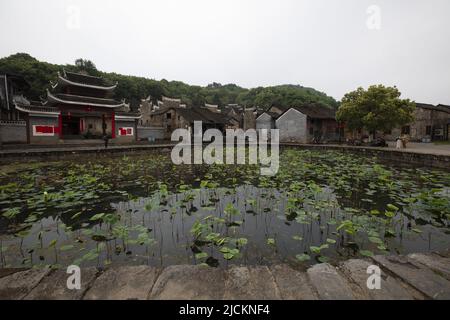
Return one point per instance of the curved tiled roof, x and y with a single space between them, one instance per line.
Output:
82 80
37 109
83 100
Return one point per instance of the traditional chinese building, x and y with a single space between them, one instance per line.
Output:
79 106
303 124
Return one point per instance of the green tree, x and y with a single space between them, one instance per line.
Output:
86 65
377 108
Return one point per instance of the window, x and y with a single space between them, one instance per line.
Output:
168 115
406 130
311 130
428 131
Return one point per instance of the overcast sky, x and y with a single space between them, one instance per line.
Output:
331 45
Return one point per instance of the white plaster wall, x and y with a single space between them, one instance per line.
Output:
293 126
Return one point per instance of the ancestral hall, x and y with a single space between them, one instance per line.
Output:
78 106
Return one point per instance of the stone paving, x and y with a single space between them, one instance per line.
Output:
415 276
423 148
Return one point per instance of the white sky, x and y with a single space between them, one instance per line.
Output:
324 44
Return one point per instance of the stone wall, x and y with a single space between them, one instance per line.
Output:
384 154
155 133
13 132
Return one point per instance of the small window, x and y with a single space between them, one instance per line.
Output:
428 131
406 130
168 115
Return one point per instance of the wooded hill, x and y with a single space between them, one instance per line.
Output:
133 89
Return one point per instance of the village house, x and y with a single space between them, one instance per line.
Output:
244 116
304 124
12 125
431 123
78 107
171 115
159 120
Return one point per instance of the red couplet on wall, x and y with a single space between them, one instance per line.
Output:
59 128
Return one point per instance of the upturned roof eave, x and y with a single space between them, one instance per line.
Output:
53 98
64 81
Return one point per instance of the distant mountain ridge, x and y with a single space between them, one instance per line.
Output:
133 88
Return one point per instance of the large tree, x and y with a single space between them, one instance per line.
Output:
377 108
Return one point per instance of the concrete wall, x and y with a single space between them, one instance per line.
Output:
156 133
13 132
44 121
293 126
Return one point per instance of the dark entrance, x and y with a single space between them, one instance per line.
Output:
70 126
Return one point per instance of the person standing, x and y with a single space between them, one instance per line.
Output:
106 138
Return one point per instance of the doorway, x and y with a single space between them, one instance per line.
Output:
70 126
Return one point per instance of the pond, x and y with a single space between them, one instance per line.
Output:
142 209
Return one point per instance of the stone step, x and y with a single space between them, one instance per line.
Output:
54 286
292 284
250 283
435 262
17 285
330 285
416 275
189 282
123 283
390 287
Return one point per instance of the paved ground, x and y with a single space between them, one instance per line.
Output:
427 148
416 276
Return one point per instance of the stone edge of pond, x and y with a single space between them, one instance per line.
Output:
415 276
433 158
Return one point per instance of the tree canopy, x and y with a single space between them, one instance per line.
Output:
377 108
39 74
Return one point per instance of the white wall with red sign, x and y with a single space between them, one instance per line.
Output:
43 130
126 131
